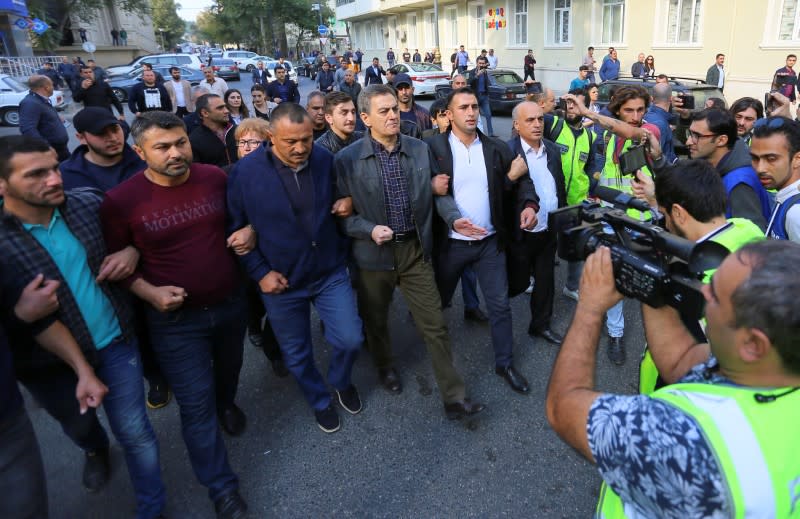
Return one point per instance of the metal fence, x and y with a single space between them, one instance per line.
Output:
26 66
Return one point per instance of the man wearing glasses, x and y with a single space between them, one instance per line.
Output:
713 137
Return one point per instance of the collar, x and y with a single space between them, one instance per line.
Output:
527 147
715 232
377 147
455 141
788 191
56 216
280 166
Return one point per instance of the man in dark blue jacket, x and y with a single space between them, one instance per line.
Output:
373 73
326 79
39 119
300 257
261 75
283 89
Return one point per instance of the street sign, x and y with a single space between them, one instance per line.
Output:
323 30
323 41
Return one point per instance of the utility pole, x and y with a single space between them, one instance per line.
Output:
318 9
437 54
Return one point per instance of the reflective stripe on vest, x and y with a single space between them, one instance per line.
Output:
612 177
574 156
753 441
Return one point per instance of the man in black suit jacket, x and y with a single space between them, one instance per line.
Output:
261 75
493 192
538 245
373 73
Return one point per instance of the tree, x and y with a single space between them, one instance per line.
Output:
86 10
165 16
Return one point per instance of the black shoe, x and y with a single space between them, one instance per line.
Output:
328 419
390 380
547 334
158 396
232 419
256 340
475 314
616 351
458 410
230 506
514 379
96 470
279 368
349 399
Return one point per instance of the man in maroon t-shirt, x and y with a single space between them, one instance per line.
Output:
174 214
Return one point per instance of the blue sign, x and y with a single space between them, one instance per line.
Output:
39 27
14 6
323 30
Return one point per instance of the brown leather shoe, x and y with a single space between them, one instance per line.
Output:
458 410
390 380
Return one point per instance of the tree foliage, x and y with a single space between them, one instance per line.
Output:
86 10
165 16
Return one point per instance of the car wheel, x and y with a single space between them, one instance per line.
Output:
250 68
11 117
120 94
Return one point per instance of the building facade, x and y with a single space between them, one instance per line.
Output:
684 36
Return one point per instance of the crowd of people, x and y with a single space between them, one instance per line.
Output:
154 260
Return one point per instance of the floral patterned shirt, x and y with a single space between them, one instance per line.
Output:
655 457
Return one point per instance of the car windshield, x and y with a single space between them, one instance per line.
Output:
424 67
223 62
507 78
15 85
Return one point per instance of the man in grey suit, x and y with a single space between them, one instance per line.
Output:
716 73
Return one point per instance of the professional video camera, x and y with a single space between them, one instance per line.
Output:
650 264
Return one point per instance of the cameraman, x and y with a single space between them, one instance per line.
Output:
479 82
723 439
691 196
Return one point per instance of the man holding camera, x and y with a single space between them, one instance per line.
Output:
479 82
775 152
724 435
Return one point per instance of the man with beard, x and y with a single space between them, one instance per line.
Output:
193 289
214 141
283 90
97 93
315 106
746 111
350 86
326 80
340 114
409 110
180 93
149 95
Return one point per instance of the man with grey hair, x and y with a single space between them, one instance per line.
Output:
393 240
659 115
193 288
39 118
726 426
315 106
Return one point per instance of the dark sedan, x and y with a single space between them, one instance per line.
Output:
226 69
307 67
121 86
506 90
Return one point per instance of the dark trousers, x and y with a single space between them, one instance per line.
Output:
489 264
415 279
290 312
149 363
22 481
61 150
541 250
54 390
200 352
529 72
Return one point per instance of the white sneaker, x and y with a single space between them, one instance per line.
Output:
572 294
529 290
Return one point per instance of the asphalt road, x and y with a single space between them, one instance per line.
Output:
400 457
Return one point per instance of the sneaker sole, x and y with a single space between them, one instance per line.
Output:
341 402
329 430
159 406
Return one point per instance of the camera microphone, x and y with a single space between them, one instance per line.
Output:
619 199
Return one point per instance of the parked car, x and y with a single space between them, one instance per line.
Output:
307 68
249 64
225 68
12 92
271 67
506 90
121 86
425 76
183 60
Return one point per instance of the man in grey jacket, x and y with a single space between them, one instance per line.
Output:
391 227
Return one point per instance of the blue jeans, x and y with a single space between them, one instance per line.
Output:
290 315
490 266
120 368
615 320
486 114
469 289
184 341
22 482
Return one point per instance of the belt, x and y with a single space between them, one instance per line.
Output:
402 237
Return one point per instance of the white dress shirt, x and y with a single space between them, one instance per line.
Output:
219 86
721 82
543 181
471 185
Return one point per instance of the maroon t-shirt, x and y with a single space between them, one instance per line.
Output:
179 232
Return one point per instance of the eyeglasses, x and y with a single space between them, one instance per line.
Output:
770 122
249 144
697 136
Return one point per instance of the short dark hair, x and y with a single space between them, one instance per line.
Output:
791 56
258 87
767 299
789 129
334 99
201 103
718 55
748 102
454 93
173 67
720 122
154 119
694 185
292 111
590 48
582 91
13 144
582 68
437 107
624 94
147 65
